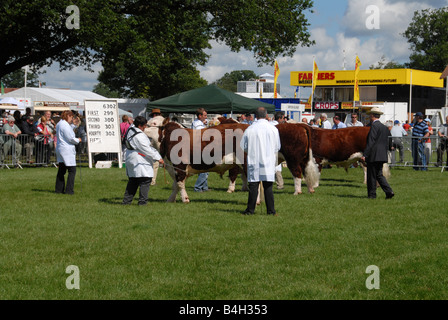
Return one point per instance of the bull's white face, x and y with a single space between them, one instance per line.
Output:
152 131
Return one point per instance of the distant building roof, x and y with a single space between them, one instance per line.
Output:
53 95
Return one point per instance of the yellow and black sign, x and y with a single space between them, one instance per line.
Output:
368 77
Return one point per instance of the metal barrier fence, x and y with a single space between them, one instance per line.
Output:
26 150
408 151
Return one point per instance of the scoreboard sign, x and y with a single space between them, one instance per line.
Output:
103 127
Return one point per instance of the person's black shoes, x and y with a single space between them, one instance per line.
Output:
390 195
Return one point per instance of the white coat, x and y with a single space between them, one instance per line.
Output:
261 142
139 162
65 144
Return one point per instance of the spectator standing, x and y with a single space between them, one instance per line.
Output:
51 127
338 124
139 162
201 184
247 119
12 143
443 143
354 121
428 148
325 124
420 132
261 142
18 119
375 154
66 153
407 126
31 132
397 132
43 151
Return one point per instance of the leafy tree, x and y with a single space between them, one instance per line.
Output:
103 90
383 64
16 79
147 48
229 80
428 36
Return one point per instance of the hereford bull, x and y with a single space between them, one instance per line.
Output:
342 147
182 158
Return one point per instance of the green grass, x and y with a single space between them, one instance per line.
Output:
318 247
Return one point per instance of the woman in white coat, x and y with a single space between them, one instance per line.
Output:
140 157
66 153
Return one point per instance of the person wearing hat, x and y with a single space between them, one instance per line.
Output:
375 154
12 131
31 131
420 132
155 113
397 132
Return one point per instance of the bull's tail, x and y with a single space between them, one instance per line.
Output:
386 171
312 174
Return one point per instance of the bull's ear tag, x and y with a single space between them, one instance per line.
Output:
373 281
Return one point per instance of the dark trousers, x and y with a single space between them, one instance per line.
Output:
268 196
441 150
131 189
60 179
374 174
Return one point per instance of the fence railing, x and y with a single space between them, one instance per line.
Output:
421 155
26 150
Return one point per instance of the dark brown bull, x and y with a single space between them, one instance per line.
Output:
341 147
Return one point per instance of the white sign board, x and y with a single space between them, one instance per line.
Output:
292 107
103 127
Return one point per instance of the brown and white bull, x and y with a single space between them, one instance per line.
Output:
342 147
182 158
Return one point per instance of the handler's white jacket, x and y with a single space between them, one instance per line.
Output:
65 144
139 162
261 142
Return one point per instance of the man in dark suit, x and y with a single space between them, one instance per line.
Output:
375 155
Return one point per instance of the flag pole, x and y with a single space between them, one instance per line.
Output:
312 91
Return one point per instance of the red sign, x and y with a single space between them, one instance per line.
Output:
326 106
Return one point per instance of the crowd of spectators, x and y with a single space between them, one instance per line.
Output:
32 138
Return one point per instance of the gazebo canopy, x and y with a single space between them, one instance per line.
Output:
212 98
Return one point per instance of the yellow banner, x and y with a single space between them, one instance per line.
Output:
276 74
357 66
368 77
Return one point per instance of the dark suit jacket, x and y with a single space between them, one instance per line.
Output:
377 143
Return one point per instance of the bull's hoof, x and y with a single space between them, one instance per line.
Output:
186 201
230 191
297 193
245 189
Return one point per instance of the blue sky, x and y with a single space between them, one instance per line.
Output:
336 26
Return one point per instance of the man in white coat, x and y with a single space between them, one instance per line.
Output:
261 142
140 157
66 153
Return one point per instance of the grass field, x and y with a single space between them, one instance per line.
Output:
318 247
